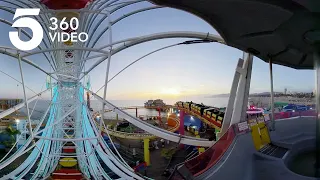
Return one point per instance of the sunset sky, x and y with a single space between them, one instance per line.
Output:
187 70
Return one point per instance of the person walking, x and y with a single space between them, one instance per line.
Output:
162 142
155 143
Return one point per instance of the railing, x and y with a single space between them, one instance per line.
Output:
176 175
130 135
188 150
211 156
285 115
145 135
127 154
205 119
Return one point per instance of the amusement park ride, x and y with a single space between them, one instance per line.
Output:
210 115
71 146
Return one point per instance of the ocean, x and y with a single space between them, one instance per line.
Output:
42 105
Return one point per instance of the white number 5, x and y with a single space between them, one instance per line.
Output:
27 23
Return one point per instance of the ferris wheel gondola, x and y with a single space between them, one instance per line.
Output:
65 4
69 54
68 114
68 15
68 43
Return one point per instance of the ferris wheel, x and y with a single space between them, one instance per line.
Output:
67 134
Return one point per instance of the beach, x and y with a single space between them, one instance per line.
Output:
264 102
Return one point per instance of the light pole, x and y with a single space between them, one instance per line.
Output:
17 139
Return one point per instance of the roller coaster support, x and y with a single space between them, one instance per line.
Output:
181 129
146 151
159 117
238 100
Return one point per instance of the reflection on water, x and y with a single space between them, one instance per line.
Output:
41 105
96 105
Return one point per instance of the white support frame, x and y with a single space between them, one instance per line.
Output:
157 36
242 91
233 92
68 86
155 130
249 58
107 74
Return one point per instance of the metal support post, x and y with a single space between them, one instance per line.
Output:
24 92
232 97
242 90
317 69
249 58
107 73
273 126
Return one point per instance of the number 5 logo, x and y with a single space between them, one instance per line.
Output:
27 23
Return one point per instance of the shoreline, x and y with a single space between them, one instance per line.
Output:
264 102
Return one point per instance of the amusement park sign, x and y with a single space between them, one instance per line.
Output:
68 30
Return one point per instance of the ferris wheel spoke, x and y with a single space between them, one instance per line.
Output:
157 36
14 156
35 104
113 23
111 11
58 121
41 20
70 121
5 52
18 81
107 72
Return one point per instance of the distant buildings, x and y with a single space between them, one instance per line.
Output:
8 103
21 125
154 103
3 126
12 118
148 103
288 94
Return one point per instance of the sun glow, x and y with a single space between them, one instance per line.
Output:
170 91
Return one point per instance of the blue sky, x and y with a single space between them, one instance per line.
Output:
186 70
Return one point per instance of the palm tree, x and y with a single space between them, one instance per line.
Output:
12 133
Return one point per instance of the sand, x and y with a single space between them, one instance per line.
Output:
264 102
